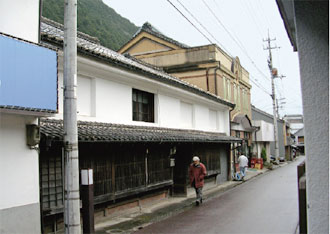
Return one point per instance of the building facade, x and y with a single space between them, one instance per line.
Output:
262 138
263 117
138 129
208 67
28 91
307 25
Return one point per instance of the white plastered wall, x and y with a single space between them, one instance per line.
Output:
19 164
20 18
104 94
312 32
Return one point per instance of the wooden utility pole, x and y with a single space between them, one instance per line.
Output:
72 201
273 73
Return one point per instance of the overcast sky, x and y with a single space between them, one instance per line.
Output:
237 26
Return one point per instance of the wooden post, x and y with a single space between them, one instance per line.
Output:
302 198
87 196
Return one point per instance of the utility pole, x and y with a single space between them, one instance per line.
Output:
273 73
72 201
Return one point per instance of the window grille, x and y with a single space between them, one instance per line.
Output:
51 182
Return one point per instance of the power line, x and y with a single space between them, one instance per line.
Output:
255 82
240 45
262 12
259 85
202 26
189 21
253 17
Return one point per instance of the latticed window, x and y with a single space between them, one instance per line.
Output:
51 182
143 106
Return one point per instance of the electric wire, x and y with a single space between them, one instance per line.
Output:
235 40
189 12
251 78
189 21
254 16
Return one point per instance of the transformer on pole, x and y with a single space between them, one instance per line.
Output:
274 74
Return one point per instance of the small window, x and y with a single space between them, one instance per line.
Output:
143 106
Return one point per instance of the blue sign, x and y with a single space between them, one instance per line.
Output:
28 75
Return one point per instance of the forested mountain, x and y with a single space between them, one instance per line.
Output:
96 19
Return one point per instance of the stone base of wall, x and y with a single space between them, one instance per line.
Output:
105 212
129 206
20 219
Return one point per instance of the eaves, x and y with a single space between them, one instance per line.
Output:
157 75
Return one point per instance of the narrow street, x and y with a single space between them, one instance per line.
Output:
265 204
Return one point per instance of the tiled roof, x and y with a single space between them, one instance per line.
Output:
106 132
147 27
20 108
52 32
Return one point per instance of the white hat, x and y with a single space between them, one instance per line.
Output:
195 158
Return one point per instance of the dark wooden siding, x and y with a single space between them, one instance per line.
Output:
209 154
119 170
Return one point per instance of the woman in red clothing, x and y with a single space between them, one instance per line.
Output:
197 172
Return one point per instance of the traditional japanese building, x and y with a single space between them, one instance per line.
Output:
138 129
208 67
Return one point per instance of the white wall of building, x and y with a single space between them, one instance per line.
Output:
105 95
265 133
19 168
213 120
170 119
20 18
186 115
201 117
312 33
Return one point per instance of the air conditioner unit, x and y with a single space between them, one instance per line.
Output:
32 134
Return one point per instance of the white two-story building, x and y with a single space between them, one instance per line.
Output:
28 91
138 129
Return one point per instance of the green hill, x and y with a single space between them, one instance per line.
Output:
96 19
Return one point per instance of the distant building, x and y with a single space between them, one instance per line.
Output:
296 122
264 136
300 140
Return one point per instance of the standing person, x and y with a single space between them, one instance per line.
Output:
243 164
197 172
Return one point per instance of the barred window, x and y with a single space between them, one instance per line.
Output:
143 106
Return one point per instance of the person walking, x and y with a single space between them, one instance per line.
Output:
197 172
243 164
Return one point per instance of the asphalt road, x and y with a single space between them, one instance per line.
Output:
265 204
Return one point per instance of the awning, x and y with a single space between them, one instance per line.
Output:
245 122
106 132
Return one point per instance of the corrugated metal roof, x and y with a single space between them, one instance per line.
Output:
107 132
52 32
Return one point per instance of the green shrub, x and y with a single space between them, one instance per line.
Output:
264 154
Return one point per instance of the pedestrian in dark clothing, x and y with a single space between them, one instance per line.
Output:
197 172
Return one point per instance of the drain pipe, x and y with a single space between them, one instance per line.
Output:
215 78
207 79
232 150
